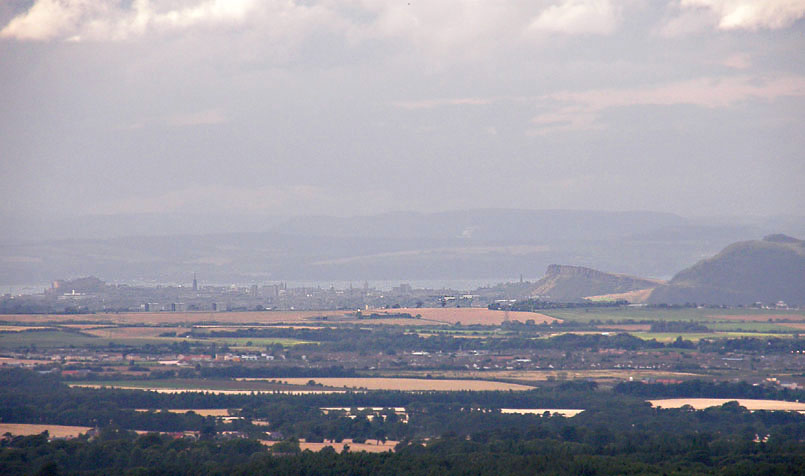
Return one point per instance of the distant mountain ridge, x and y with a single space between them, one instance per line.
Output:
563 282
489 244
767 270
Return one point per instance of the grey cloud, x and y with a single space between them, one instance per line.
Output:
368 106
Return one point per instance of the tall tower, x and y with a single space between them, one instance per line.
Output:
195 283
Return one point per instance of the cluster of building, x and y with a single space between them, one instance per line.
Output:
93 295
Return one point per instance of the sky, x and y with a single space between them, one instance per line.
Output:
348 107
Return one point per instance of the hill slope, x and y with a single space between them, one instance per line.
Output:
563 282
768 270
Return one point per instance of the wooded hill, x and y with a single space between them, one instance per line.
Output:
767 271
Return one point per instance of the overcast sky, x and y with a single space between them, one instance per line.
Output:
359 106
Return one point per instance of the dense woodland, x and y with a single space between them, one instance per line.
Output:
446 433
518 336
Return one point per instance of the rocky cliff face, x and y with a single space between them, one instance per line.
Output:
567 283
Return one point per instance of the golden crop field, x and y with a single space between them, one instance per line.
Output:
637 296
370 446
21 328
429 316
407 384
168 390
468 315
750 404
396 322
565 412
56 431
205 412
15 361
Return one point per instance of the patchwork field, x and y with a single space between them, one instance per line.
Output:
253 343
15 361
628 327
205 412
131 332
55 431
697 336
766 317
684 314
47 338
565 412
370 446
408 384
21 328
223 386
637 296
161 318
469 315
750 404
211 391
528 376
430 316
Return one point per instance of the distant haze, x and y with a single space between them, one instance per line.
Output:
433 249
240 114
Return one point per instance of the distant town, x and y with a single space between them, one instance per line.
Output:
90 295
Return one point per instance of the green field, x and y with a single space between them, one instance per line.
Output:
252 342
56 339
697 336
737 326
45 339
585 315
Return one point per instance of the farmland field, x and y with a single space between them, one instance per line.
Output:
213 392
21 328
216 412
468 315
207 385
150 325
370 446
754 316
131 332
16 361
697 336
685 314
55 431
407 384
253 342
47 338
753 326
750 404
161 318
543 375
134 335
627 327
637 296
565 412
429 317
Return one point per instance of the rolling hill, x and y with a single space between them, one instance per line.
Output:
563 283
767 270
